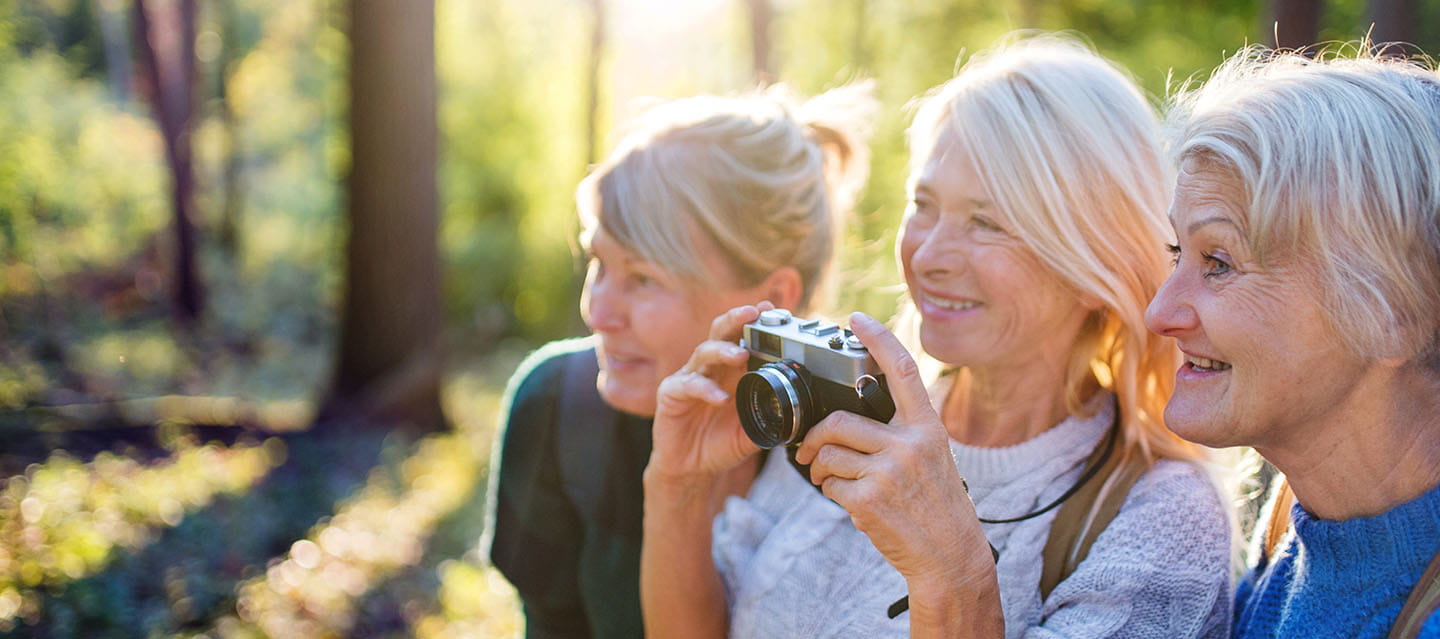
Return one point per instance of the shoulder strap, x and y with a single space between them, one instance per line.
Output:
1424 600
583 436
1079 522
1279 521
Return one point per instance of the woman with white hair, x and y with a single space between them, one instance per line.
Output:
1030 249
706 203
1306 298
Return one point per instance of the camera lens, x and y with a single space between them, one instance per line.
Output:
774 403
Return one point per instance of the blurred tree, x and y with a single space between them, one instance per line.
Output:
389 351
116 48
166 41
1393 20
761 17
1293 24
592 80
227 59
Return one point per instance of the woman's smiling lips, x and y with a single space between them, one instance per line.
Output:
1197 367
934 305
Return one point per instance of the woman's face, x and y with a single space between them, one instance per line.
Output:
1261 358
985 299
648 321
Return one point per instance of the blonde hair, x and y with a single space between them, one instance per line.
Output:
1069 149
762 177
1338 160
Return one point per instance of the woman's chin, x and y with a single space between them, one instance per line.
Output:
1193 424
625 398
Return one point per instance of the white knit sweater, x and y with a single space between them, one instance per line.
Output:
795 566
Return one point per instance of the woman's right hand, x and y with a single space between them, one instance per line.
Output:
697 433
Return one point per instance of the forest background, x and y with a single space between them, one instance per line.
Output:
266 266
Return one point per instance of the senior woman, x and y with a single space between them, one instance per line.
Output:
707 203
1306 298
1029 251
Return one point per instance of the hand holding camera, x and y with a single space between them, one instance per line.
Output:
800 372
696 433
898 479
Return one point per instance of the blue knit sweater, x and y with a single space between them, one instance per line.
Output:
1342 578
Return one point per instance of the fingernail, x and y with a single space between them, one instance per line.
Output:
737 350
718 395
860 318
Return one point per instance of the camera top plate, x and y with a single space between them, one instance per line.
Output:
779 335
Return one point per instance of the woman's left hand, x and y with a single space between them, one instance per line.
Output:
899 483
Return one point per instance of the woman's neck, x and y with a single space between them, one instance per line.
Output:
992 408
1380 451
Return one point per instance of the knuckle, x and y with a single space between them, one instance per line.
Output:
906 368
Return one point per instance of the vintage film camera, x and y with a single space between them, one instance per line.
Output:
799 372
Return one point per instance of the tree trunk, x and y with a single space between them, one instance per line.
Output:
592 81
389 360
1294 24
859 38
1393 21
761 17
167 60
116 48
232 204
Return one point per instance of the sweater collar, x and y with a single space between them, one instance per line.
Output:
1394 541
1062 445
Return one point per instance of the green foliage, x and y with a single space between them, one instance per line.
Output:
63 519
512 150
363 534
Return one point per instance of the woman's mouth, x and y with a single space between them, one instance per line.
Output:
947 304
1204 365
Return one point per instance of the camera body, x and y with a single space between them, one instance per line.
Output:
799 372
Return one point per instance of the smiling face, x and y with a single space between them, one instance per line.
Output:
984 298
1262 360
647 320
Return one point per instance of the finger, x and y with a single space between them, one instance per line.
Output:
912 401
687 386
712 355
843 429
842 491
837 461
726 327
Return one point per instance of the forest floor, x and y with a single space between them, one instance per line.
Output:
230 531
158 482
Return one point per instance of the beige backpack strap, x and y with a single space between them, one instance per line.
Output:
1279 520
1075 530
1424 600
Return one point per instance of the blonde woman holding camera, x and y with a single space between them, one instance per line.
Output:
1030 248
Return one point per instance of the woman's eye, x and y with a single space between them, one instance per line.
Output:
922 206
986 224
1215 265
1174 251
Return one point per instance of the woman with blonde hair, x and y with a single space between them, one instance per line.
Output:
1030 249
706 203
1306 298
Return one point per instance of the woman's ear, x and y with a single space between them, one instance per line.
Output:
783 286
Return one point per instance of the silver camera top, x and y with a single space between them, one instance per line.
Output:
825 349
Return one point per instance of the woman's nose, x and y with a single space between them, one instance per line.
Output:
942 251
601 306
1170 313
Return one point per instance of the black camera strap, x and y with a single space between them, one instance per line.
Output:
1069 541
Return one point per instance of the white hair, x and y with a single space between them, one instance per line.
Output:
1338 161
760 176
